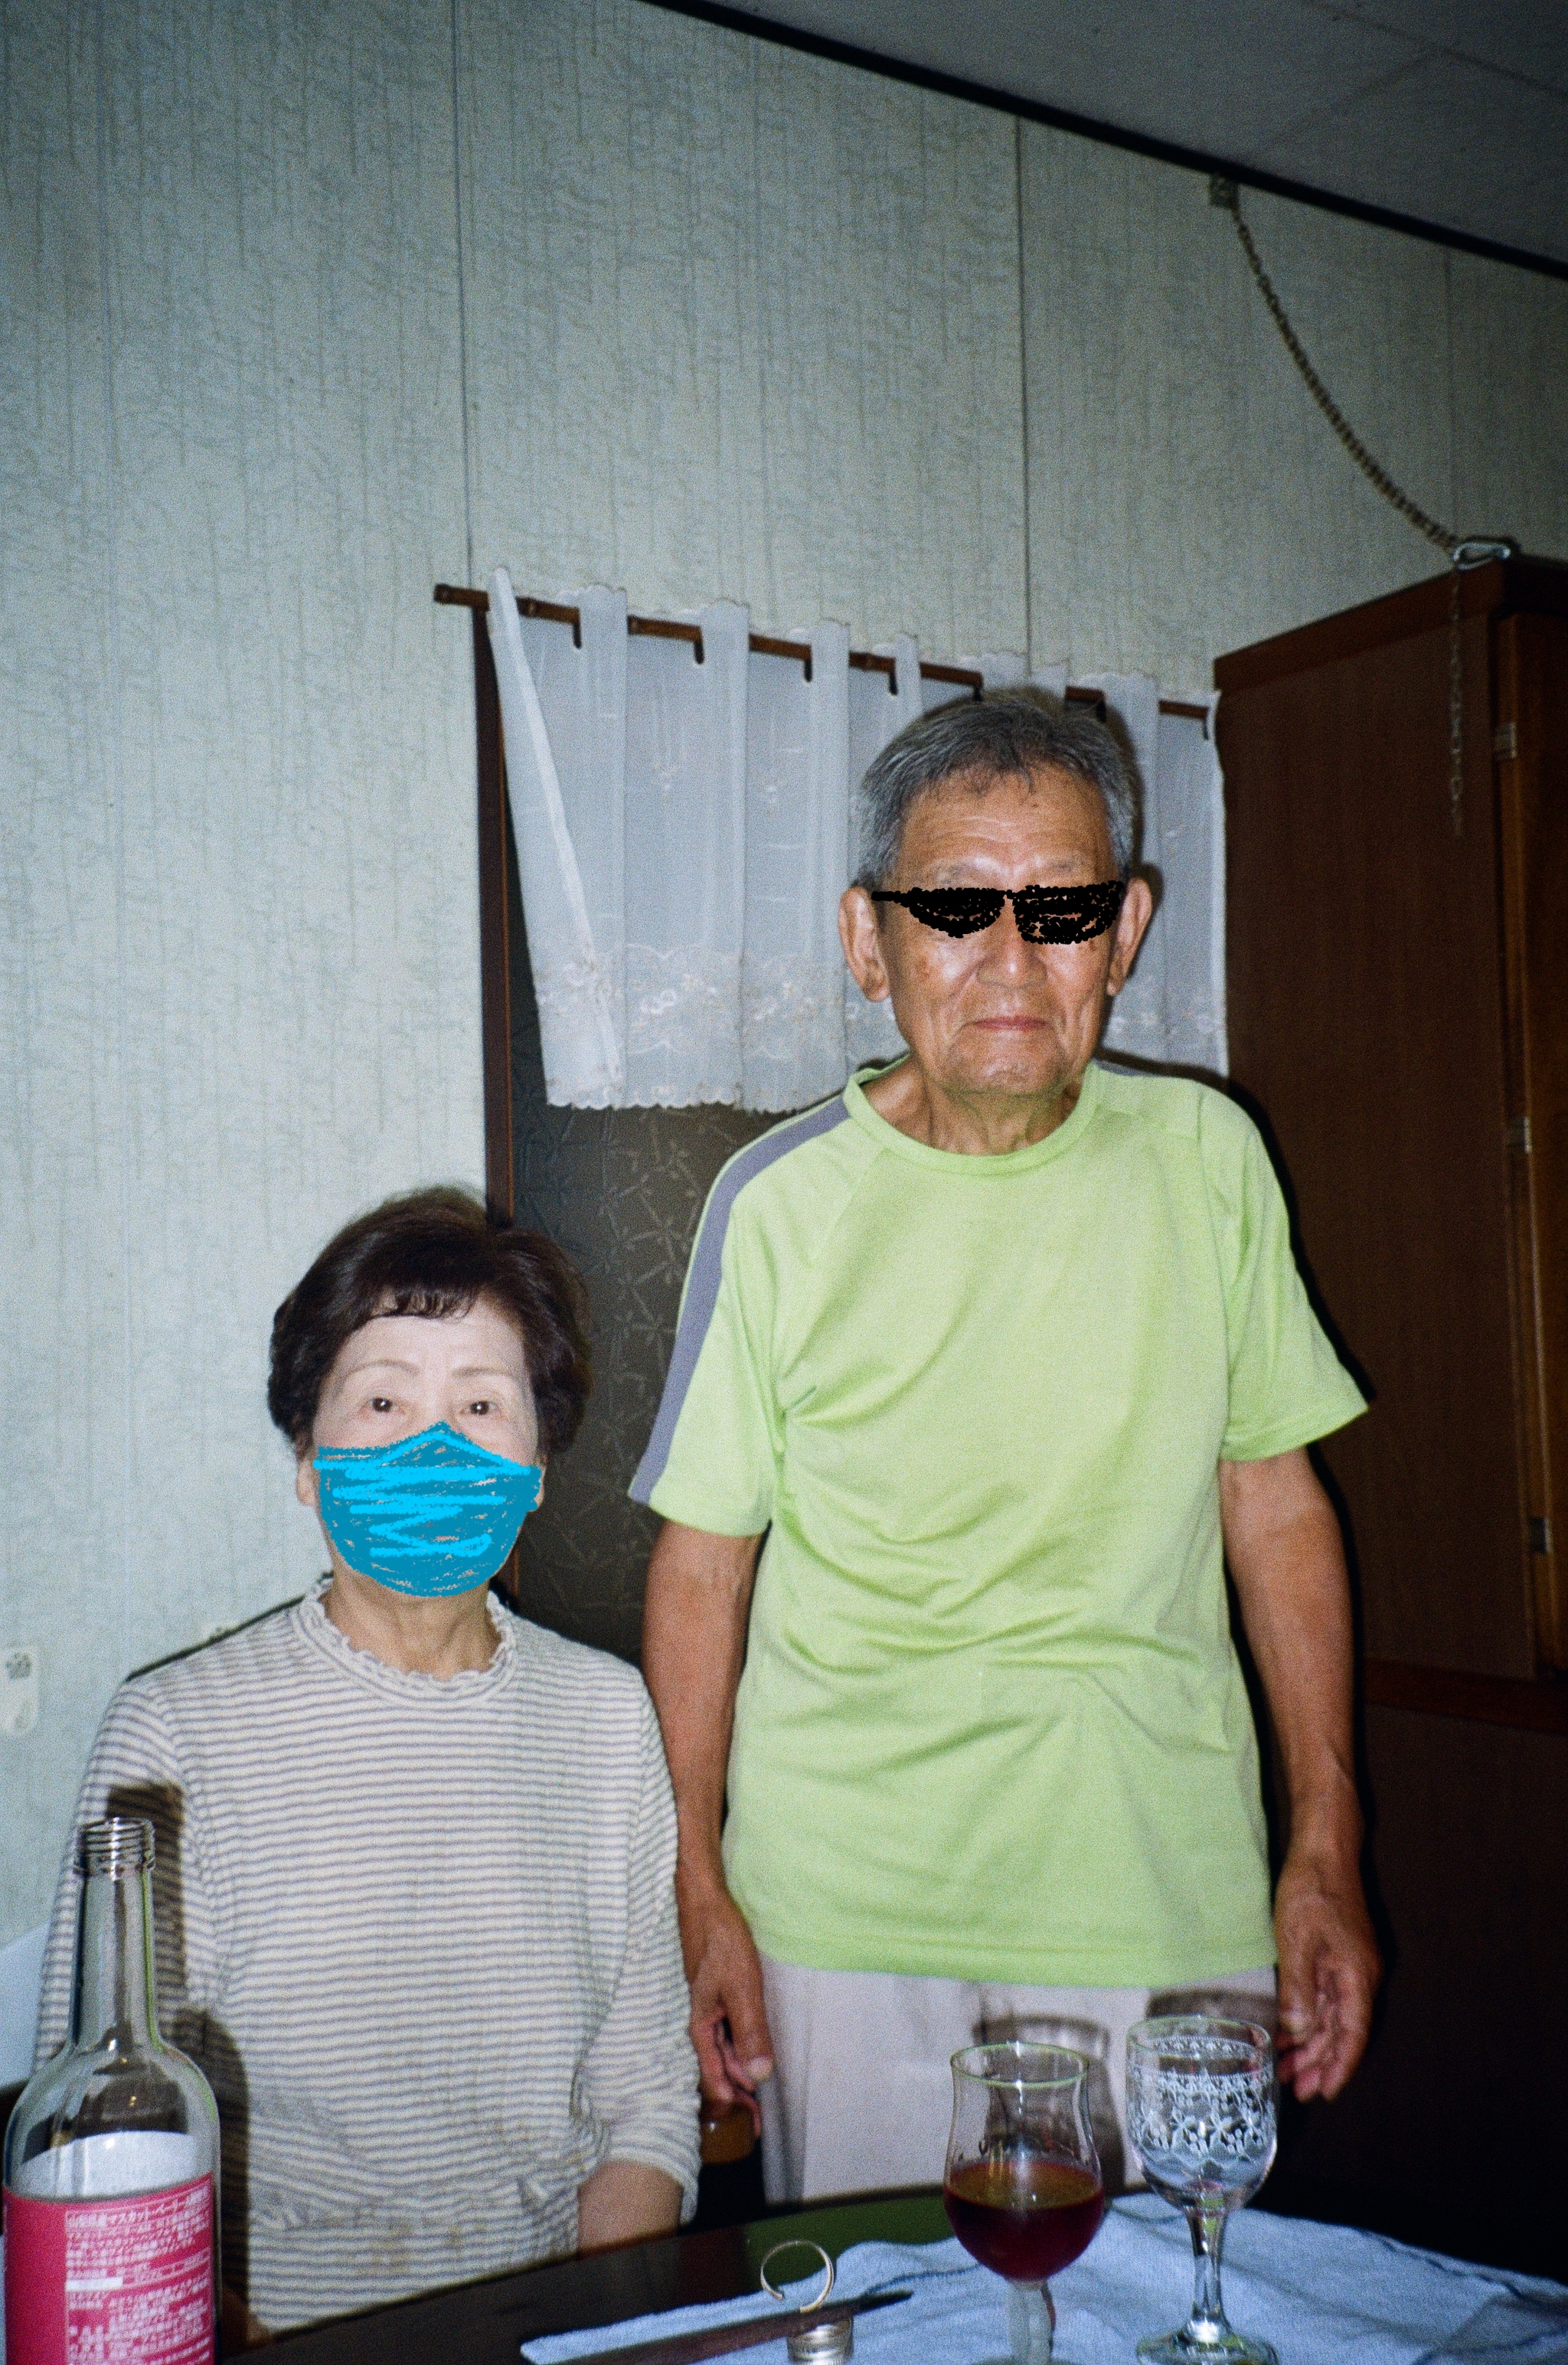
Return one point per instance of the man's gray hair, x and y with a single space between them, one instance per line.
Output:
1008 734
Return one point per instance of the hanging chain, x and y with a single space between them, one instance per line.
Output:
1459 553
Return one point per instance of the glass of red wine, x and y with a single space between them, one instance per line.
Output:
1023 2188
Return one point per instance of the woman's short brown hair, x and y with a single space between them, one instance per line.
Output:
433 1252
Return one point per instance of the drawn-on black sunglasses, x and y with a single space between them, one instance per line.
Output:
1046 915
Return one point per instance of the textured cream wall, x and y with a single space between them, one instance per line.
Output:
1510 375
738 322
1185 494
241 921
743 325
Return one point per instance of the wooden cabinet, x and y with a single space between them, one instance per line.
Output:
1398 965
1399 1019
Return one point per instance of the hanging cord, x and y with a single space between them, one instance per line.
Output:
1460 553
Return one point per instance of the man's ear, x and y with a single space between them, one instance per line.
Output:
1132 921
306 1484
862 942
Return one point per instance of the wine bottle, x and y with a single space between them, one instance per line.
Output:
111 2156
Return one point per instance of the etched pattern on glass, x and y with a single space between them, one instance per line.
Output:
1202 2129
623 1190
1201 2116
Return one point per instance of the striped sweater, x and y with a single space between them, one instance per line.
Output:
419 1933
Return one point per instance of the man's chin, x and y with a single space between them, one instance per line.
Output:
1020 1067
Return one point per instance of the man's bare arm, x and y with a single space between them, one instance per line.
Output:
694 1630
1282 1542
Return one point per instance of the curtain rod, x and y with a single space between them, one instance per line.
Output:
665 628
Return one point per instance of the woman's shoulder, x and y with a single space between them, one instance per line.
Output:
254 1652
575 1675
579 1664
179 1714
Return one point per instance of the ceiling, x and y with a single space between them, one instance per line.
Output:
1452 111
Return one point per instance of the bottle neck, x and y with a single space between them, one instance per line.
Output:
114 1998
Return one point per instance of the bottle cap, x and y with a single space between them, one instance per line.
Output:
825 2344
120 1846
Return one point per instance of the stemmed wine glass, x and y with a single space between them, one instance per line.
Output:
1201 2116
1021 2187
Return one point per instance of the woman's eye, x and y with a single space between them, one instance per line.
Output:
483 1405
380 1404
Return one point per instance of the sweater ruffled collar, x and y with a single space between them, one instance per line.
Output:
317 1632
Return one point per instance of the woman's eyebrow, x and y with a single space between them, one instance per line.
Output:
483 1372
381 1363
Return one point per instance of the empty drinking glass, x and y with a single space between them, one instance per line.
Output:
1201 2118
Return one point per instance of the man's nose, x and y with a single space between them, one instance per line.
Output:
1005 946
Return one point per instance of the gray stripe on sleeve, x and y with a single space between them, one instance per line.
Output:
702 1276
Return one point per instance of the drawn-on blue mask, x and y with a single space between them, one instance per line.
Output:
433 1514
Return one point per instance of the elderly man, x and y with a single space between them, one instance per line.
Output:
1001 1356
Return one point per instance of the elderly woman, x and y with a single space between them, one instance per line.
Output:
414 1897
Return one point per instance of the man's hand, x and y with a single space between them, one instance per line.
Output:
1282 1542
695 1616
729 2019
1329 1968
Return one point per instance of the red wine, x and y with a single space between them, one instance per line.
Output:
1024 2216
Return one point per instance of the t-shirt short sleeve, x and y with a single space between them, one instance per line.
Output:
1287 1385
711 1461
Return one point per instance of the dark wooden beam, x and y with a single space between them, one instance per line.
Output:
1474 1700
495 968
495 950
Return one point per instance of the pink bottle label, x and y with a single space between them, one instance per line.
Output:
110 2282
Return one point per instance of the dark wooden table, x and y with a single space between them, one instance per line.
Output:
487 2323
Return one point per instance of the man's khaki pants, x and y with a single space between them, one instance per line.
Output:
861 2093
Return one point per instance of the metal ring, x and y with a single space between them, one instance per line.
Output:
772 2289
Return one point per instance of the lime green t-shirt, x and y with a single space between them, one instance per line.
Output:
991 1725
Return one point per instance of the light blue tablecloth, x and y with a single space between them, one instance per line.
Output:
1323 2295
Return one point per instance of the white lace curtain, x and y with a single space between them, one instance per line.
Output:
685 830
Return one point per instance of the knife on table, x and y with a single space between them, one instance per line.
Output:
724 2339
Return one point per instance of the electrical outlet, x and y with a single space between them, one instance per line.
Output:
18 1687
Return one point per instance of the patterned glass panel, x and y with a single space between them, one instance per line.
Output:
623 1191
